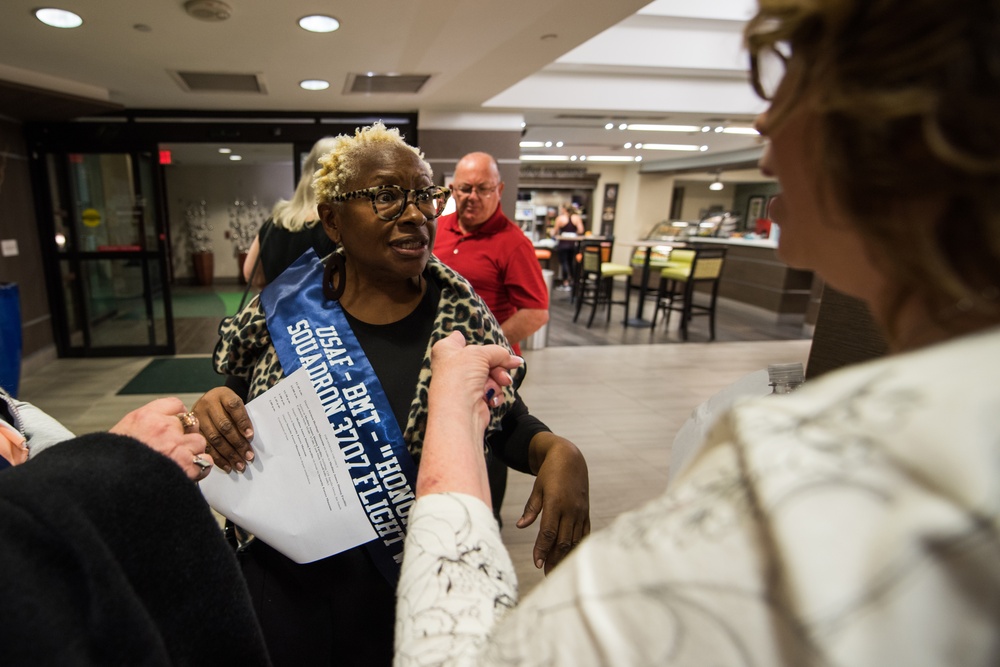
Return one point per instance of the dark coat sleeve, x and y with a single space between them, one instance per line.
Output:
511 443
111 556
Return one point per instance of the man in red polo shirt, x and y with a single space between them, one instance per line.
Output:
491 252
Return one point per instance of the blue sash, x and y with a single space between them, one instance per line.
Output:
307 330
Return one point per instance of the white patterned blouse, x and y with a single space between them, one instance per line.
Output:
854 522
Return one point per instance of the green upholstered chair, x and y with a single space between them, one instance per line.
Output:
595 279
686 269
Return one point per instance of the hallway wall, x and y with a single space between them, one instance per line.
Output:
220 186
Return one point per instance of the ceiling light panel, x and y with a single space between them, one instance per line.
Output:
58 18
314 84
671 147
319 23
639 127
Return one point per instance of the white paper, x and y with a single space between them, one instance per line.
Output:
297 495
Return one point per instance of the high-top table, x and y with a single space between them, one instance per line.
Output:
648 244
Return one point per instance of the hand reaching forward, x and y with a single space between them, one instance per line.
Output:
165 426
466 382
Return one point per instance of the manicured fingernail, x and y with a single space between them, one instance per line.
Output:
249 455
489 394
241 466
248 433
520 359
539 563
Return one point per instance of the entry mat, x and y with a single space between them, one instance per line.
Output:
166 377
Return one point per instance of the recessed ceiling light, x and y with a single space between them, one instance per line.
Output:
544 158
609 126
58 18
319 23
314 84
532 144
225 151
559 144
235 158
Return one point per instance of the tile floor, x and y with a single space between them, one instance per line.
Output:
620 403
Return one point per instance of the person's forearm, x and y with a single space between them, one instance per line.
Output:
544 442
523 323
251 259
452 459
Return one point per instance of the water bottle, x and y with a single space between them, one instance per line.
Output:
784 378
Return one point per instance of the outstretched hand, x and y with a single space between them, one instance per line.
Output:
160 426
466 382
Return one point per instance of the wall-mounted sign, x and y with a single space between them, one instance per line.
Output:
91 217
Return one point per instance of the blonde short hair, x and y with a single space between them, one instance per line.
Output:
341 165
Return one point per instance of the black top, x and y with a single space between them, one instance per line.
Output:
396 350
279 248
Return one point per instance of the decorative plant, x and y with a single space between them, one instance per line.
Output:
199 231
244 221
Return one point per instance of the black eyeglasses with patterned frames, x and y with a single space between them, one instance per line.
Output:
389 201
481 190
767 68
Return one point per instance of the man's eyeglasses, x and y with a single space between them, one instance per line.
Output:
389 201
481 190
767 68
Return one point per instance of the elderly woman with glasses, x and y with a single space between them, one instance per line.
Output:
371 312
852 522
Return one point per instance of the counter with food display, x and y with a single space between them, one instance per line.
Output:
752 274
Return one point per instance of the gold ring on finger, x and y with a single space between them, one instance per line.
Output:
188 419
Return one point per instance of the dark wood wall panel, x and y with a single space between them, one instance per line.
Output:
18 222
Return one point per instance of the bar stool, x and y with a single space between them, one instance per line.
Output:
677 286
595 279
